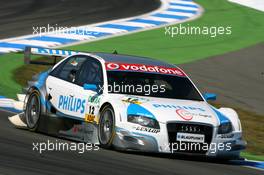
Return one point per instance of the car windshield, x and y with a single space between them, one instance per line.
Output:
152 85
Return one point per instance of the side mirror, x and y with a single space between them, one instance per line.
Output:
209 96
91 87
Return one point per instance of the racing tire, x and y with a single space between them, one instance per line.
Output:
106 127
33 111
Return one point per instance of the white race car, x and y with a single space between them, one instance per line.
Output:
129 103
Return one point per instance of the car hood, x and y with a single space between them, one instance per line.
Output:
169 110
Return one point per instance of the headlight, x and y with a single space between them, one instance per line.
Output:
143 121
225 128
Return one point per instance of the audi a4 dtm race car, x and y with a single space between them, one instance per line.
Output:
129 103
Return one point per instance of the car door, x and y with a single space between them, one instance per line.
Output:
91 73
61 86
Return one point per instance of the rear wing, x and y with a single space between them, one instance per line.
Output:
54 54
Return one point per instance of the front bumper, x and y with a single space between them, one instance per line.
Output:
235 142
126 140
130 139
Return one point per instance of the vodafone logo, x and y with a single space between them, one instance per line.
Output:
112 66
145 68
184 114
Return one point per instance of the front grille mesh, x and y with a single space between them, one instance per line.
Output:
174 128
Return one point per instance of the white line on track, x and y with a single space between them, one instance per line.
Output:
184 2
36 43
182 7
78 38
136 24
72 36
178 13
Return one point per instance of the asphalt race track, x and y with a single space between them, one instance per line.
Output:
17 157
16 154
18 17
237 77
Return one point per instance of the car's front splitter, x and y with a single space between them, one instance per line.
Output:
220 147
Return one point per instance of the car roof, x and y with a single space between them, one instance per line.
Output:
120 58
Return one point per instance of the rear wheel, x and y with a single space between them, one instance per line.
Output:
33 111
106 129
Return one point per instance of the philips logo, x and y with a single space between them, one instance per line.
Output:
71 104
168 106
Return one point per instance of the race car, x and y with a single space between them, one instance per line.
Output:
128 103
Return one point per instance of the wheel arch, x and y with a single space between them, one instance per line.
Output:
37 83
105 104
42 97
116 107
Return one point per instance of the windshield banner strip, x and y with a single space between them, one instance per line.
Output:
144 68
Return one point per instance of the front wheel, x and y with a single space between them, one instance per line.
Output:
106 129
33 111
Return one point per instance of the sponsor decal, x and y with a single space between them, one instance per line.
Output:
45 51
144 68
169 106
146 129
186 115
89 118
187 137
112 66
71 104
135 100
203 115
225 136
94 99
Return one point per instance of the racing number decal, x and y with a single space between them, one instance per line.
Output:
90 117
91 110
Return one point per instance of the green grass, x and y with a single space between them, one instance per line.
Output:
250 156
252 132
247 29
9 63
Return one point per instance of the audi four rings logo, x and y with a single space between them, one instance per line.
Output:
188 128
112 66
184 114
